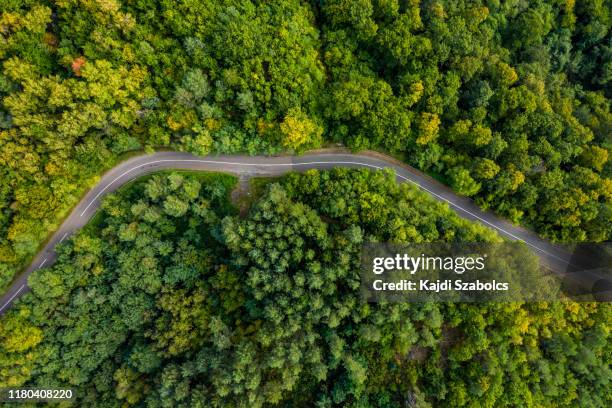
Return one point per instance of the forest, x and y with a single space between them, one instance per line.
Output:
171 298
506 102
174 297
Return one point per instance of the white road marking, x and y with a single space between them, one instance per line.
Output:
295 165
12 297
315 163
181 160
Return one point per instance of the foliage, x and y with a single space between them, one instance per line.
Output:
507 101
147 308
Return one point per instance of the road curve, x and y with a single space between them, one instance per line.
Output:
555 257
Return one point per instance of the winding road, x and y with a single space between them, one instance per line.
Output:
554 257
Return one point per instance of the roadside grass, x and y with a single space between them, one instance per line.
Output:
244 197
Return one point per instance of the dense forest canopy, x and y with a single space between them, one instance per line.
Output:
171 299
507 102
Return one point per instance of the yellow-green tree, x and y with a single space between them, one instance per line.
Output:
299 131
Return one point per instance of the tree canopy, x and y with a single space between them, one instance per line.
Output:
507 102
171 299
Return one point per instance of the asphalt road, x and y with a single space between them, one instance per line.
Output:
554 257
